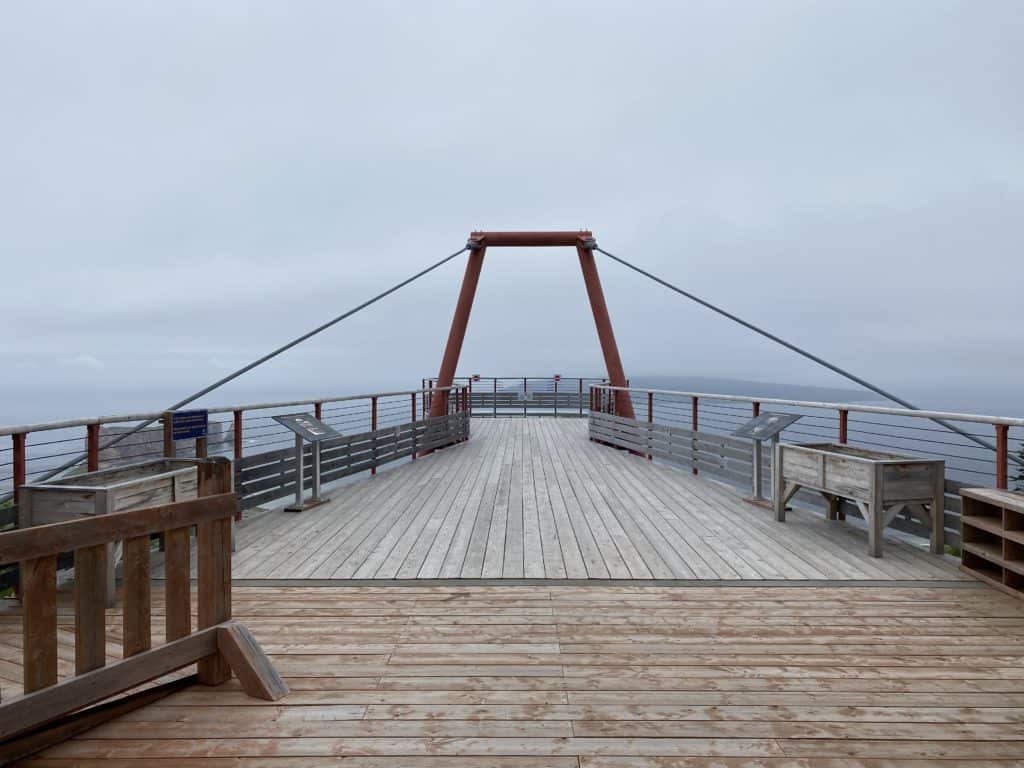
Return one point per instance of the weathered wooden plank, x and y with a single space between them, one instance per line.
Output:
213 545
248 661
90 608
42 706
39 629
136 613
177 583
54 538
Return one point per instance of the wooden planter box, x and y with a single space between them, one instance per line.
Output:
119 489
881 485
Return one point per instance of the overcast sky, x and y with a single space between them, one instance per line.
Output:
184 186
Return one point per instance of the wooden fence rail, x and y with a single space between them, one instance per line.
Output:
218 645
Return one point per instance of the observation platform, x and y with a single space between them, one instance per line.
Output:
535 499
794 647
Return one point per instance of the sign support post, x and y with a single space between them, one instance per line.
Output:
311 429
763 426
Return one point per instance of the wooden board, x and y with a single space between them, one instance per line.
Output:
599 675
534 498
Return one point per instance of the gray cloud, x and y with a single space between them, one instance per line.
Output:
184 186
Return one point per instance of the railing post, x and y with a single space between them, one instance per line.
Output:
556 398
494 403
18 459
318 411
581 397
413 422
202 447
168 436
18 444
650 420
524 396
39 622
757 459
469 396
1002 456
373 427
239 439
844 421
694 440
92 447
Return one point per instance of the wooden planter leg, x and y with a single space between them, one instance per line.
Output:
876 515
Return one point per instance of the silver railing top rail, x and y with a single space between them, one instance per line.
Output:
851 407
121 418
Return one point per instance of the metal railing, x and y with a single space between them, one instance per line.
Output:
517 396
715 416
235 431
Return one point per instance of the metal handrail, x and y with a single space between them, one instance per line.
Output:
851 407
122 418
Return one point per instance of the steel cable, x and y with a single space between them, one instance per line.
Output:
810 356
245 369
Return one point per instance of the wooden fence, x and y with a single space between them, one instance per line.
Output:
732 459
271 475
218 645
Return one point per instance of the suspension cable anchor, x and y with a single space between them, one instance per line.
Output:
474 244
588 243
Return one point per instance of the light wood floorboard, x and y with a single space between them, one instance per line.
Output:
534 498
600 675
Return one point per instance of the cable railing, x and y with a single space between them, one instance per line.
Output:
234 431
715 417
517 396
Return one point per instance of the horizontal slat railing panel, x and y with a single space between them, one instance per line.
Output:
266 477
731 459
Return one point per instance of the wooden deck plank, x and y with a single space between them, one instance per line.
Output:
601 675
534 498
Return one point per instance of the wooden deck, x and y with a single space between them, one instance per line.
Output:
534 499
593 677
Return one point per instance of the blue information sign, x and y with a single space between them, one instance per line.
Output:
188 425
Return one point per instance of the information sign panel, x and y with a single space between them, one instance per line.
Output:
766 426
308 427
189 425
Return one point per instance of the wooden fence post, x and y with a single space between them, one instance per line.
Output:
90 608
214 553
39 622
239 439
168 435
92 447
136 590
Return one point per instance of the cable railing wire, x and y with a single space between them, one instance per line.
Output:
259 361
799 350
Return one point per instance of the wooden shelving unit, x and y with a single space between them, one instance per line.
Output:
993 538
